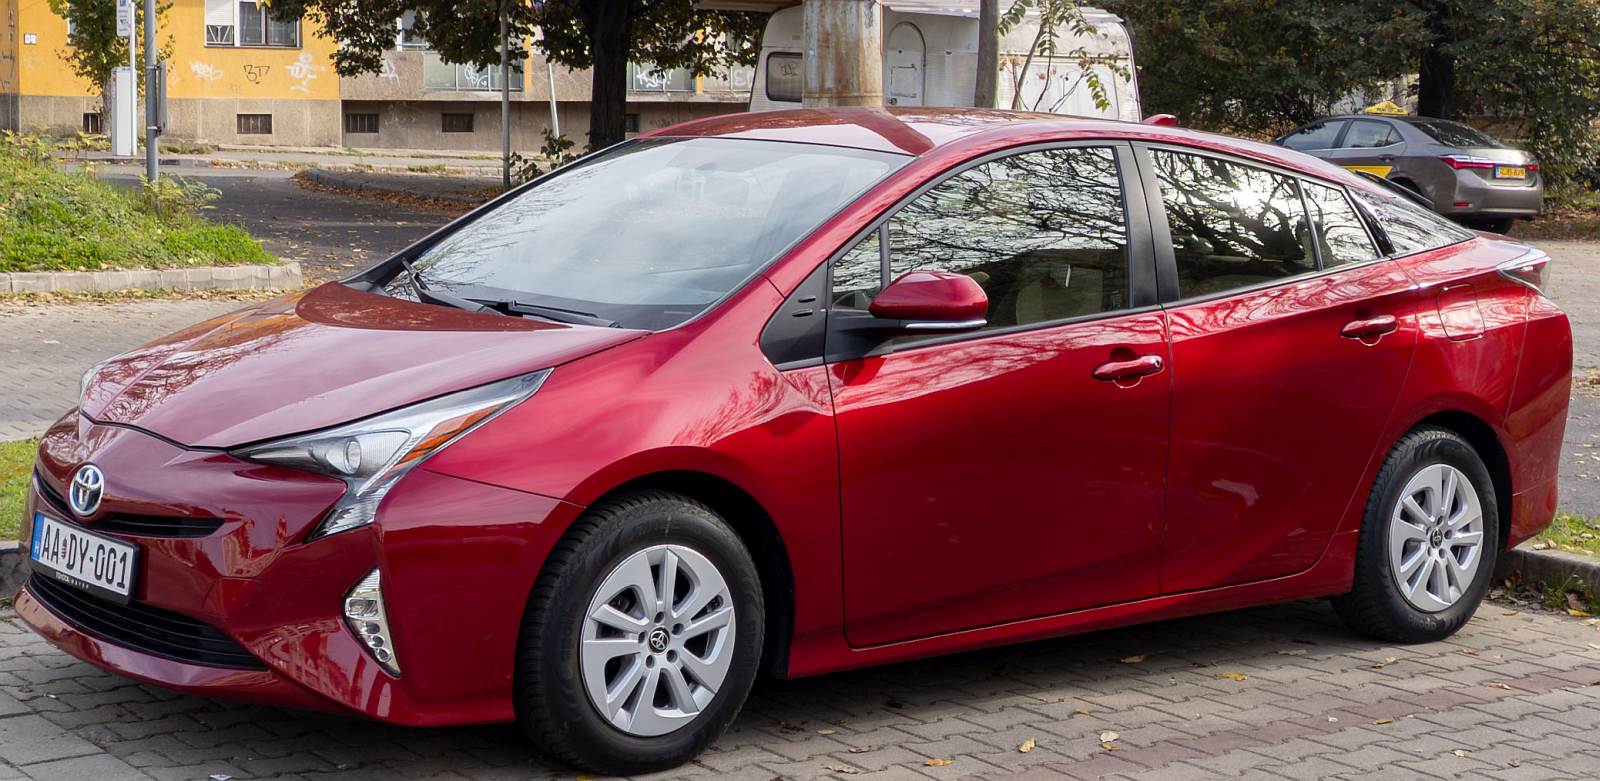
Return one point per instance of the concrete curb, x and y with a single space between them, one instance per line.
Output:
284 276
354 180
1546 567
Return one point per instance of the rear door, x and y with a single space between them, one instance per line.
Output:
991 476
1291 339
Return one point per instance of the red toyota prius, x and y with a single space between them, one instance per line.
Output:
800 392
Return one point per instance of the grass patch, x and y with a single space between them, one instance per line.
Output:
52 219
16 464
1572 533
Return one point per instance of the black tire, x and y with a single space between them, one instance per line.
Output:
1501 226
1375 606
553 707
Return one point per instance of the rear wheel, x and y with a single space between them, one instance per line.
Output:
1428 541
642 637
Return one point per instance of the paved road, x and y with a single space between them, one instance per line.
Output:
331 235
1510 697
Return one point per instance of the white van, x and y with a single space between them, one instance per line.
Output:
930 58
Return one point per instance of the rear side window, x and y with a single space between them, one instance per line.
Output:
1456 134
1370 134
1411 228
1317 135
1337 228
1232 225
1043 233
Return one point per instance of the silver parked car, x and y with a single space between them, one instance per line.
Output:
1468 175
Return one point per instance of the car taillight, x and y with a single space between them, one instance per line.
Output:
1532 269
1532 166
1460 162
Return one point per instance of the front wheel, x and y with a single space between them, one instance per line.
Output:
642 637
1428 541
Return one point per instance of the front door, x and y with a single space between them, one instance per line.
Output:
991 476
1291 339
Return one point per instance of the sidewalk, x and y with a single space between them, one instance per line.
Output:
294 158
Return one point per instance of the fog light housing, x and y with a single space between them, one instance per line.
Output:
363 611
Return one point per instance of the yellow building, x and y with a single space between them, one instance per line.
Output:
235 76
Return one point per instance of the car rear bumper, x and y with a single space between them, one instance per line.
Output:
1493 200
251 611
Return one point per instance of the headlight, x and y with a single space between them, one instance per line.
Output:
371 455
88 377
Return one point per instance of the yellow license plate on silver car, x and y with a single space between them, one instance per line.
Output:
1510 172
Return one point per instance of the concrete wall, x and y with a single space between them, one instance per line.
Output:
207 120
417 124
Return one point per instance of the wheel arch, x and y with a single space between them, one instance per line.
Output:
1486 441
760 536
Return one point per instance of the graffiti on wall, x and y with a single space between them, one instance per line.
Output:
303 70
204 71
255 73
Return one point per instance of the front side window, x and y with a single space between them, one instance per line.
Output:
1232 225
1410 227
1044 233
652 233
1370 134
1317 135
1341 236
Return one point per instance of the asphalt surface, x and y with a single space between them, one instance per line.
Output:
330 234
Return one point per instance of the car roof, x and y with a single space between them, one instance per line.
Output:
921 131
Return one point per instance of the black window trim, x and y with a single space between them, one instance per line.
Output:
1141 266
1166 259
1387 244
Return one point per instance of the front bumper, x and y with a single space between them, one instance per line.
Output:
458 559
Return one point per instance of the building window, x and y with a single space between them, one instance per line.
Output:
440 75
247 23
408 38
360 123
455 123
91 122
630 123
255 124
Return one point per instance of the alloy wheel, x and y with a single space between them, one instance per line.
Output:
1436 538
657 640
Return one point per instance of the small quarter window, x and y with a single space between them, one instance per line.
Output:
1340 235
1411 228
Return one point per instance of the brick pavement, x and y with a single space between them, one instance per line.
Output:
1510 697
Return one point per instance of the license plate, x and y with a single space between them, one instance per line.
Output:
1511 172
82 559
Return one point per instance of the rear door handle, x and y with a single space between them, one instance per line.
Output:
1370 328
1130 370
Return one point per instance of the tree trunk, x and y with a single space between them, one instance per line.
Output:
1436 70
610 38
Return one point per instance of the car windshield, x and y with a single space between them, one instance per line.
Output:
1456 134
647 235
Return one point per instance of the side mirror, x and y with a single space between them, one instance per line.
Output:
933 301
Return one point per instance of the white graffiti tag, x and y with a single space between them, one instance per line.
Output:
303 70
204 71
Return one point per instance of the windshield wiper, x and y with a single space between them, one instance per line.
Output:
438 297
556 313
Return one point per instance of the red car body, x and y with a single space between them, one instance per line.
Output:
888 519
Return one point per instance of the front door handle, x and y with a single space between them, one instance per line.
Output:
1128 371
1370 328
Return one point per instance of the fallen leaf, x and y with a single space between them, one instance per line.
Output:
1388 660
937 762
860 749
1577 613
1575 601
845 769
1234 676
1379 722
1132 659
826 731
1109 747
1595 682
1469 652
1293 652
1108 736
1505 686
1028 745
581 777
1508 612
1081 712
1459 752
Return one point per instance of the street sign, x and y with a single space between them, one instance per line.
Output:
124 18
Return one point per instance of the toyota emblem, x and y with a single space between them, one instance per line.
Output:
88 486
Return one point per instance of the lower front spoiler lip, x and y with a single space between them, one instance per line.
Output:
257 686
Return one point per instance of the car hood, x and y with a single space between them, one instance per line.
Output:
319 358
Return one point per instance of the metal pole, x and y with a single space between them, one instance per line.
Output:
550 77
505 103
152 111
988 53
